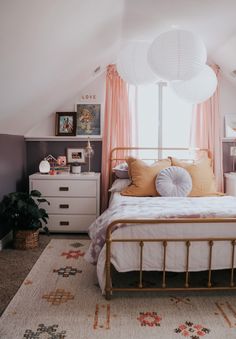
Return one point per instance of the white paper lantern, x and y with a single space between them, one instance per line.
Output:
177 55
199 88
132 64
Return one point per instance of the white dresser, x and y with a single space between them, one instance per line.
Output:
230 183
74 199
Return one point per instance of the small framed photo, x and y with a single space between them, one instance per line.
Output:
66 123
88 119
75 155
230 125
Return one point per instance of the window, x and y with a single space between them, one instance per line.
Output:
163 119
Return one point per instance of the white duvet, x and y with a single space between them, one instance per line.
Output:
125 256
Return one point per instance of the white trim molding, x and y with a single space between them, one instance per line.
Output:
55 138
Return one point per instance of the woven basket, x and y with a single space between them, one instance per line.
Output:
26 239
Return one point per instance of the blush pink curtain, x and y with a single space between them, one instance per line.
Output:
117 124
207 130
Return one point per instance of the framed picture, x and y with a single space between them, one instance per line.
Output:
66 123
88 119
75 155
230 125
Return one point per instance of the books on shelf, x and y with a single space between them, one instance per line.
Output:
61 169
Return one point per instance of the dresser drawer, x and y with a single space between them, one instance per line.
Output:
70 223
71 206
61 188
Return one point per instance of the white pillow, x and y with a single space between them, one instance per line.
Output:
119 184
174 182
121 171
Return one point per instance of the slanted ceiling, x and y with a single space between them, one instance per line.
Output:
50 49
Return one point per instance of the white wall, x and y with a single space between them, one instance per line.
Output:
48 51
95 88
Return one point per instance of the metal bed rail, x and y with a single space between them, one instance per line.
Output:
187 241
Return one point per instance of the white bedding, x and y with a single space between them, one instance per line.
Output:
125 256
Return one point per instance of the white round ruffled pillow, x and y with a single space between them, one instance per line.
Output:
174 182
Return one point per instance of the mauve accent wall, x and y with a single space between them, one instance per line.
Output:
12 167
227 159
37 150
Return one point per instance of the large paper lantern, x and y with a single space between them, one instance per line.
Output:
177 55
198 89
132 64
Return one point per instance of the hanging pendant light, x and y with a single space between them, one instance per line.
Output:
198 89
177 55
132 64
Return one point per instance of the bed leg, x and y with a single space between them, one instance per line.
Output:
108 270
108 295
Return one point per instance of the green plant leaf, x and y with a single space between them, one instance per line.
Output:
43 200
35 193
20 211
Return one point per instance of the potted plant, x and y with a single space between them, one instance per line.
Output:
21 211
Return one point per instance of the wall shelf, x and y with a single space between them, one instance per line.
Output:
54 138
228 139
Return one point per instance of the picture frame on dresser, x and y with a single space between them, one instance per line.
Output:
75 155
65 124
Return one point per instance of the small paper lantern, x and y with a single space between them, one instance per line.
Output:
132 64
199 88
177 55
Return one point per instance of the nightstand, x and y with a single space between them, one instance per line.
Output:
230 183
74 199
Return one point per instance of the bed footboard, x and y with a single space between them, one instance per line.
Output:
109 289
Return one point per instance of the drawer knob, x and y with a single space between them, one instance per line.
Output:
63 188
64 206
64 223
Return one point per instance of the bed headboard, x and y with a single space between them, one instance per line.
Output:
119 154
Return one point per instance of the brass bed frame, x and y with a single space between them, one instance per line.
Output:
109 289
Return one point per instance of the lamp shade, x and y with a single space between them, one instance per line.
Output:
132 64
177 55
198 89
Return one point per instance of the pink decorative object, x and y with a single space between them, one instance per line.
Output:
61 160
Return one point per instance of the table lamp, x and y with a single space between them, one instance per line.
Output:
89 153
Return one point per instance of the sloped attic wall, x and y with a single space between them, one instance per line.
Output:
96 88
49 50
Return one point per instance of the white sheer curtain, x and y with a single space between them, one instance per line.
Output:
148 103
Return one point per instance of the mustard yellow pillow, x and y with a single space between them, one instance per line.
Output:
143 177
129 161
203 179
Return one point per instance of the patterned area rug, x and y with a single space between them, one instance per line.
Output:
60 299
